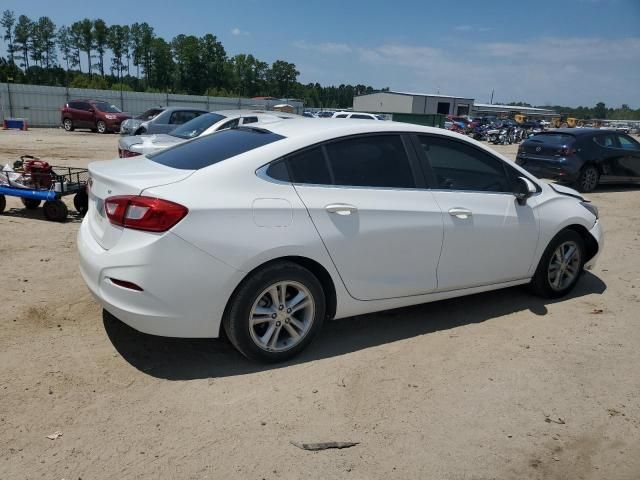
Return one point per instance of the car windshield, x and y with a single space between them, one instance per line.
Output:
552 138
107 107
149 114
209 149
193 128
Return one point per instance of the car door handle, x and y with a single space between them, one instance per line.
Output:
462 213
341 208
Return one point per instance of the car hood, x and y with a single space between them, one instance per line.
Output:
561 189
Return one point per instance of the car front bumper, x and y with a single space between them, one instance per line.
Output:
597 233
185 290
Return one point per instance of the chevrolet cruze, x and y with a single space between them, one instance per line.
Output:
266 231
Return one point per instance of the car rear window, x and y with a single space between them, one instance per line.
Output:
553 138
209 149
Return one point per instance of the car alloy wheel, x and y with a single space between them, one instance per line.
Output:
102 127
281 316
588 179
67 124
564 266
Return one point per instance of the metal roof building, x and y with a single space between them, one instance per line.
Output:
481 109
410 102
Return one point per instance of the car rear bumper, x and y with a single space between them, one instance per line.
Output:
564 171
185 290
597 233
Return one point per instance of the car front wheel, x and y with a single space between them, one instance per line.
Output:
560 266
67 124
101 126
275 313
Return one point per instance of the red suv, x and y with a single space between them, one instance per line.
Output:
96 115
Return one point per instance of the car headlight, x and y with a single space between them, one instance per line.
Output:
591 207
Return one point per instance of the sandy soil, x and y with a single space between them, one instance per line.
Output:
500 385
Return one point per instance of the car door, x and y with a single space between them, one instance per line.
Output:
628 159
489 237
381 227
84 115
608 156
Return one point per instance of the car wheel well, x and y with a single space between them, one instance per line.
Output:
315 268
590 243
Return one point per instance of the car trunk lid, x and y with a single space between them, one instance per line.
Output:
122 177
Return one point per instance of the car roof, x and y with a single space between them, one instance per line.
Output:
173 109
574 131
319 129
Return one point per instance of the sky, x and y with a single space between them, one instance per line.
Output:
544 52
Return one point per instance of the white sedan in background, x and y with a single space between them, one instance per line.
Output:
134 145
268 231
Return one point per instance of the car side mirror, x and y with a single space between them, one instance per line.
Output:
523 189
92 110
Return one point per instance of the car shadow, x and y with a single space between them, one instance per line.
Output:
38 214
616 187
188 359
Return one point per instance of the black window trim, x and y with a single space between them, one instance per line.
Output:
430 177
405 138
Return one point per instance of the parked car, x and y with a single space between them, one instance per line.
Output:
582 157
95 115
244 230
205 124
357 115
159 120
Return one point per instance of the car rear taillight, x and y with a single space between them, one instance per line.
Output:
122 153
143 213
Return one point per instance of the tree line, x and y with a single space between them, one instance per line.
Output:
600 111
91 54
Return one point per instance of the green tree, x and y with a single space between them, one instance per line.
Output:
116 42
43 42
83 33
7 22
161 66
22 37
189 68
75 39
247 75
213 58
600 111
282 78
100 39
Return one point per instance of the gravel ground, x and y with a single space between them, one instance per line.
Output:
501 385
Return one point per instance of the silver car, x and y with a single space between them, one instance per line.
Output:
159 120
131 146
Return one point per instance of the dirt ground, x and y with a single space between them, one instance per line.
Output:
501 385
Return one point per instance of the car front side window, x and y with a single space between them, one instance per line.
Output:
457 166
627 143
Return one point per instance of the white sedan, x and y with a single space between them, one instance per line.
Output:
266 231
134 145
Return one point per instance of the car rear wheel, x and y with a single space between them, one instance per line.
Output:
67 124
588 179
275 313
560 266
81 202
3 203
101 126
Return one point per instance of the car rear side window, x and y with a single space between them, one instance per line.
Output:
607 141
553 139
209 149
457 166
343 115
309 166
361 117
370 161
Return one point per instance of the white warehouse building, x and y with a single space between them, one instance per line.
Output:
414 103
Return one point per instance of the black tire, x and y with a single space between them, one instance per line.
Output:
81 202
55 210
67 124
588 179
236 319
541 283
30 203
101 127
3 203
